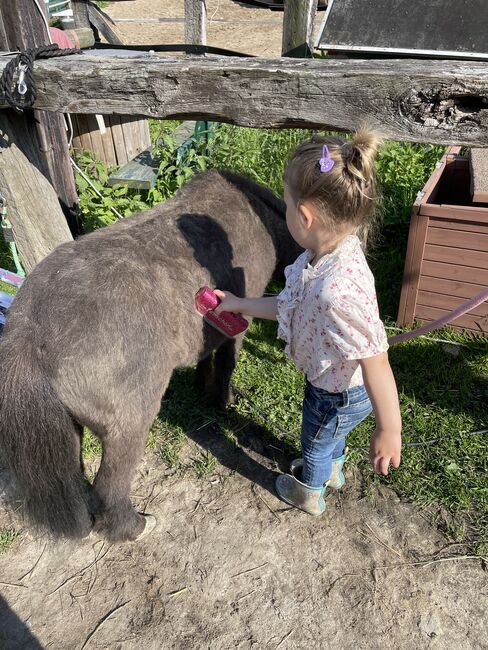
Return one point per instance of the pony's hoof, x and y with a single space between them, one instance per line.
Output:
150 525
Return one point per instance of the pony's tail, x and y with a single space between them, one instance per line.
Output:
39 444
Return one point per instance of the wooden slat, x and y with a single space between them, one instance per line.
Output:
455 272
95 137
468 241
144 135
108 144
462 290
82 138
474 323
126 122
458 212
452 224
476 259
441 301
118 138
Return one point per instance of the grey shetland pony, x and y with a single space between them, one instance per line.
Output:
97 329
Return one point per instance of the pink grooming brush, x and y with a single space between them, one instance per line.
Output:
226 322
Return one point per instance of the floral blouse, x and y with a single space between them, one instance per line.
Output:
328 316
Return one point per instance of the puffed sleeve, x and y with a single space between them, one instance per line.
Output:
354 327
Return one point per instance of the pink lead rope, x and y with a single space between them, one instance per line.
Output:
444 320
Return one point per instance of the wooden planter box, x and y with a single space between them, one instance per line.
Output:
447 253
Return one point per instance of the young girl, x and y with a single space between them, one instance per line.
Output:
328 316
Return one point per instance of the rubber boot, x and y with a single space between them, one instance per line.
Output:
302 496
336 480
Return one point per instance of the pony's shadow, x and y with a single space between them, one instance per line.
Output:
14 633
256 454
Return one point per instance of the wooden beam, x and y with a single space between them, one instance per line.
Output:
298 21
443 102
196 22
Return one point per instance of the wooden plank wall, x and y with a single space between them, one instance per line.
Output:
125 137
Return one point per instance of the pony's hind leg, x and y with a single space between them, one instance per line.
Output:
204 377
116 518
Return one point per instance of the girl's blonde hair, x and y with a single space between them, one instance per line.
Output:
346 195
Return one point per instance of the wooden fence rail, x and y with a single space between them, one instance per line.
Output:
443 102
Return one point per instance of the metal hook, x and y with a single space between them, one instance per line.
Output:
21 85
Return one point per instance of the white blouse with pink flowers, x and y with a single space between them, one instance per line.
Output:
328 316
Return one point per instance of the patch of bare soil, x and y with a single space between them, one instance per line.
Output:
231 566
230 25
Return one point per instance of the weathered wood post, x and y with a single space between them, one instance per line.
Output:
80 13
298 24
196 22
34 155
196 34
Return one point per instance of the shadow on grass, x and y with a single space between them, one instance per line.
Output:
430 375
231 437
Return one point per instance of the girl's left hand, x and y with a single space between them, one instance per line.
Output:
385 447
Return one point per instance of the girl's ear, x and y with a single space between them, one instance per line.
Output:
306 212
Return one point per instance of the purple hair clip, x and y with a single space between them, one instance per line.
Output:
326 163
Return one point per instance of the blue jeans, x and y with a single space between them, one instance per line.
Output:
327 418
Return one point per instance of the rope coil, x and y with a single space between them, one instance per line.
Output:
17 87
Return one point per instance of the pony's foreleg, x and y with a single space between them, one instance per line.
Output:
225 360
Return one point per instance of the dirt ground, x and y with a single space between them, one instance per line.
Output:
229 565
230 25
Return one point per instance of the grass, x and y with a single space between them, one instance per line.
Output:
205 465
442 396
7 538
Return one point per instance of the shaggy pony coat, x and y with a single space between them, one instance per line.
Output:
94 334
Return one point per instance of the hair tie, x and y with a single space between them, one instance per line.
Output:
349 152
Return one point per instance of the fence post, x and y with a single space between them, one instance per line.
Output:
298 24
196 22
33 148
80 13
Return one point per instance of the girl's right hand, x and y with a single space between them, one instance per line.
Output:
228 302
